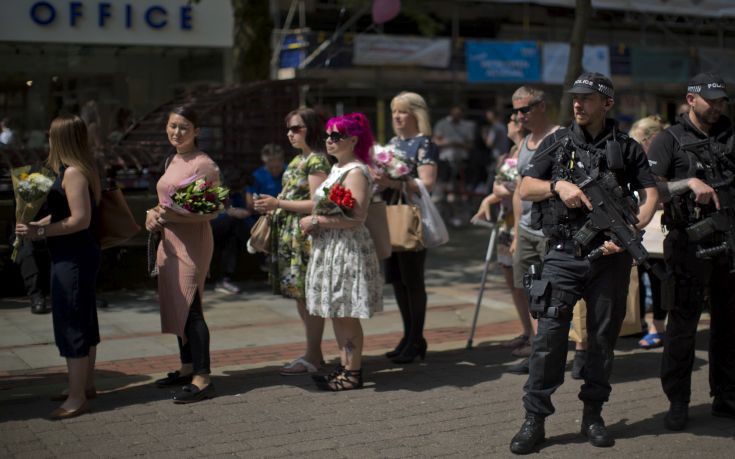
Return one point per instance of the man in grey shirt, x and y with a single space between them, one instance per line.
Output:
528 247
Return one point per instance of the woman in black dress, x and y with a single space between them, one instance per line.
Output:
75 255
405 270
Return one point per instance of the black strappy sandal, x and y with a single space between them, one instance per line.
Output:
345 380
326 378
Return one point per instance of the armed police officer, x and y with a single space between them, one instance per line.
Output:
581 180
695 161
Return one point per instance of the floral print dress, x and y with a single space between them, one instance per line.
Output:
343 278
289 249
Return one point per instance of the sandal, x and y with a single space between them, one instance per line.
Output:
300 366
651 341
346 380
326 378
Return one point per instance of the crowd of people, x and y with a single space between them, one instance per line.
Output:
547 186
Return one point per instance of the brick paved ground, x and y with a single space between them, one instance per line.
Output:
458 403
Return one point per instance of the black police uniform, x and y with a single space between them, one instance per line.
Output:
603 283
695 279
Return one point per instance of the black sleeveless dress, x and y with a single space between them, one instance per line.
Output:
75 263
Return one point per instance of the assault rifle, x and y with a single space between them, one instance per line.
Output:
719 225
614 212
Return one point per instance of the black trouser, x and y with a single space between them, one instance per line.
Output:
196 349
604 286
228 233
405 270
35 267
695 280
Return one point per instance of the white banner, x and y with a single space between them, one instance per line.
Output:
596 58
132 22
400 50
710 8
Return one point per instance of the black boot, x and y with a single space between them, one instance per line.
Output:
530 436
520 368
397 351
593 427
38 304
724 408
578 364
677 417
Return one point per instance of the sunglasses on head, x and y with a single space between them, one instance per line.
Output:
335 136
295 128
527 108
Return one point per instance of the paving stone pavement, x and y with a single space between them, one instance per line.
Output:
457 403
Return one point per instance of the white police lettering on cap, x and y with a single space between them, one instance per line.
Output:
715 86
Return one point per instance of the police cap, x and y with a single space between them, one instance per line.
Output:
707 85
590 82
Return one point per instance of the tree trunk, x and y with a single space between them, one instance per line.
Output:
582 14
251 40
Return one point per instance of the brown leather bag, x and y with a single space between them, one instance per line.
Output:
115 222
260 234
404 226
377 224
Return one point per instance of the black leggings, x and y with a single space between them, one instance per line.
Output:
405 270
196 349
659 313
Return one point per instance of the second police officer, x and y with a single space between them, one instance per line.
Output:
695 161
593 144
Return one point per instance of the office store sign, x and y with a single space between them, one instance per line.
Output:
118 22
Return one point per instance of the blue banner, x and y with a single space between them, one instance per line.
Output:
503 61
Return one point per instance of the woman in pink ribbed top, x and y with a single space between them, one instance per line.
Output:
183 260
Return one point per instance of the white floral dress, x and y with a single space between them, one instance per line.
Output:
343 278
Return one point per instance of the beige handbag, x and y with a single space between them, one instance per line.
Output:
631 323
404 226
260 234
377 224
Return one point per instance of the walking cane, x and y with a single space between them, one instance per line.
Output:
488 256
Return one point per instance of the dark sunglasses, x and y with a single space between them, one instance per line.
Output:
294 129
335 136
527 108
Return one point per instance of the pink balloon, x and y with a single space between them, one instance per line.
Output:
385 10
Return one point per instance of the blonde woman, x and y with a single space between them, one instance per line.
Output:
75 255
405 270
644 131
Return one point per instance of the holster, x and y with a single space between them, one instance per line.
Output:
539 298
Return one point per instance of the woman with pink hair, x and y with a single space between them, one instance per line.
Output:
343 280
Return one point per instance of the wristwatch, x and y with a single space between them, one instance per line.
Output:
314 221
41 231
552 187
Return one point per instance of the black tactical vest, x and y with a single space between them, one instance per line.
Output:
556 220
711 161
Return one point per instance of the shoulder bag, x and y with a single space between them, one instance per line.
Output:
260 234
404 226
115 222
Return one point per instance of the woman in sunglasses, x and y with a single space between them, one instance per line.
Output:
289 246
343 279
405 270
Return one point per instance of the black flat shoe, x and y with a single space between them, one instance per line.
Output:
173 379
191 393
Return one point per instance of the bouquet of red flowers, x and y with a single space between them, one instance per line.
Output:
337 200
197 195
